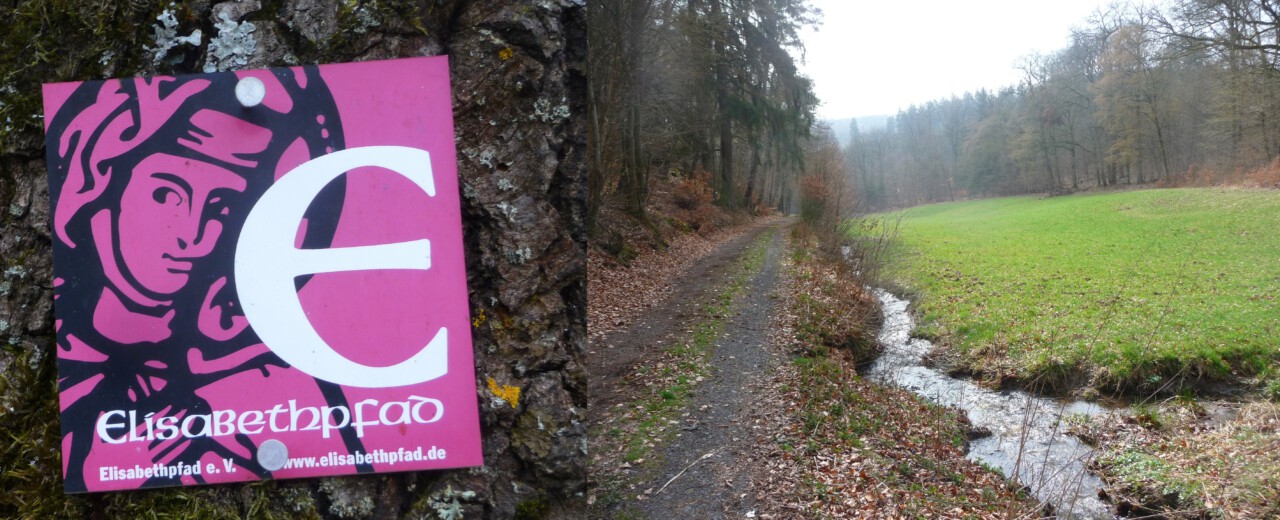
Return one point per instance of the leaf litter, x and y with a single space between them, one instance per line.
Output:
819 441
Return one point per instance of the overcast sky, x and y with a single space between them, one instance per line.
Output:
877 57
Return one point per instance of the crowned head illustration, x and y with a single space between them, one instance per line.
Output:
151 180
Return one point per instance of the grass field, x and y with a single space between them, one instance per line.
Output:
1124 291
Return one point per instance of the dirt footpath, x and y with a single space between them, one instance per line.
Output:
704 472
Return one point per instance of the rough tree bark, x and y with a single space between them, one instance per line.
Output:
519 95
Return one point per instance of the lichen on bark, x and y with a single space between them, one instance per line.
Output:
519 90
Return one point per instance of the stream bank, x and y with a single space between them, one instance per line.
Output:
1028 440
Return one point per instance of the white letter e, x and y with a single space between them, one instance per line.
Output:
266 264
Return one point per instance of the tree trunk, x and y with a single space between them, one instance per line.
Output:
1045 152
595 177
749 197
728 191
1164 153
523 207
635 170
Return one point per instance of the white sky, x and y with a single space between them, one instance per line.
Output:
875 57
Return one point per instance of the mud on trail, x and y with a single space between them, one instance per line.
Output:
672 394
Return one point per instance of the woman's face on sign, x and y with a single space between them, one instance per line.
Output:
171 214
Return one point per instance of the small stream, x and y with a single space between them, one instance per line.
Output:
1052 462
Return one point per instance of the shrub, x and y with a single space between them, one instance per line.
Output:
1267 176
692 193
815 197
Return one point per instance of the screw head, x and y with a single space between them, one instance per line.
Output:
250 91
272 454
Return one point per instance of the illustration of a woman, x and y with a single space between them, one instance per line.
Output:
151 180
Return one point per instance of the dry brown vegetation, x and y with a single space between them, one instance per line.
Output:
676 205
1265 176
1187 459
631 261
849 448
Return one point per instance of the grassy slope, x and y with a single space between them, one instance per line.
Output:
1127 289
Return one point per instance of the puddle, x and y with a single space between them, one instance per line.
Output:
1029 442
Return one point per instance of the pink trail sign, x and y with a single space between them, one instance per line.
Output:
259 275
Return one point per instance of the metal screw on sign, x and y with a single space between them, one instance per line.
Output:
250 91
272 454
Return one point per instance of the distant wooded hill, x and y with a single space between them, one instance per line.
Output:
841 126
1179 95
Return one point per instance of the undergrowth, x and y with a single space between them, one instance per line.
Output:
1163 459
834 310
867 449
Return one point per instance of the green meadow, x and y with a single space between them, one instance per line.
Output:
1128 291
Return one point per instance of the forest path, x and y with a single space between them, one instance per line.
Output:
704 470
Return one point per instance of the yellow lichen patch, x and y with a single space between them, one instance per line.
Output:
506 53
479 319
510 394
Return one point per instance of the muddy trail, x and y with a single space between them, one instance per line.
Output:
703 471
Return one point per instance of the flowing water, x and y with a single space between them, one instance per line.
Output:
1028 441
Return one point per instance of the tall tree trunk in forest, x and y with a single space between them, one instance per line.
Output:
728 191
1164 153
595 178
634 185
619 36
1071 164
1046 153
635 174
749 197
707 154
1160 139
1266 131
